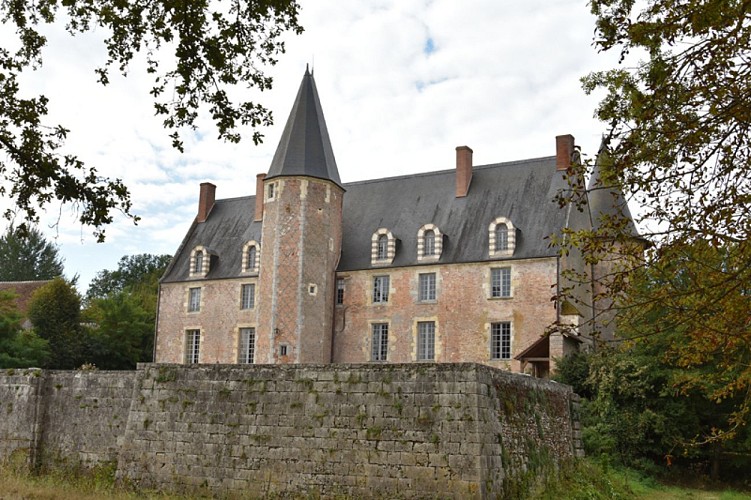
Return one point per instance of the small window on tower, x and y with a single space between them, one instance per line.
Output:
283 350
270 191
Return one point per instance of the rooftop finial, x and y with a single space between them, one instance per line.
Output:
307 71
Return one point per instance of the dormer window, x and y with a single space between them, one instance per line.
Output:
429 243
251 257
502 238
200 260
383 247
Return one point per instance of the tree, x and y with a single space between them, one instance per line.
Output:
18 348
28 257
216 46
133 273
55 312
679 146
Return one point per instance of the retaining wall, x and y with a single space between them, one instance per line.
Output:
384 430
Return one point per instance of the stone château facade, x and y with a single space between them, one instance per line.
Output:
446 266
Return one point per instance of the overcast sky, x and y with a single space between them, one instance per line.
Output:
401 82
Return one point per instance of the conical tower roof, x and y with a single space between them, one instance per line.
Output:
305 148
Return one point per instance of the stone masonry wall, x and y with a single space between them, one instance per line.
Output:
63 418
376 430
385 430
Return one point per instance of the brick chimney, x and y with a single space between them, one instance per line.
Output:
205 201
463 170
259 197
564 148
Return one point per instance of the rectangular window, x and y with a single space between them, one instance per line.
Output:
194 300
247 345
427 287
426 340
500 282
340 291
248 296
192 346
380 289
380 344
500 340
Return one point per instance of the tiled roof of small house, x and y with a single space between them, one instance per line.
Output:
23 290
521 191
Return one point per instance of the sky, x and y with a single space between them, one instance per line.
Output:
401 83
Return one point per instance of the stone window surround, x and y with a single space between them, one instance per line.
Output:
242 296
246 248
390 250
205 262
418 353
189 306
381 355
192 351
492 252
385 289
492 347
420 298
489 281
421 257
241 356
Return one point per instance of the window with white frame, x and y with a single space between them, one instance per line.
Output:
251 257
247 348
381 289
248 296
500 282
194 299
192 346
383 247
500 340
426 287
340 291
426 340
429 243
380 342
501 238
199 262
270 191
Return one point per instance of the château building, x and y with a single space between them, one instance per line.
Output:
446 266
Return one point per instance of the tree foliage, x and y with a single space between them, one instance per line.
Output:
28 256
196 51
55 313
134 273
679 112
18 348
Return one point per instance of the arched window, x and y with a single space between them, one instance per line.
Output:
429 248
501 237
250 262
198 266
383 247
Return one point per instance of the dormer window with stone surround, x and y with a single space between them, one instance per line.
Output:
501 237
200 261
383 247
429 243
251 257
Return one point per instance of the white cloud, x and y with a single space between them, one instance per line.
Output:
502 77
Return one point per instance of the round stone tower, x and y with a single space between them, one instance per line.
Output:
301 239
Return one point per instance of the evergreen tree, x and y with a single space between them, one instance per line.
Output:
28 256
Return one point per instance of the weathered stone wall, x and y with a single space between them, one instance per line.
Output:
63 418
463 430
377 430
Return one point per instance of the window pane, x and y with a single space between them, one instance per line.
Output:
199 262
251 264
500 282
383 247
381 289
192 346
194 300
501 237
380 341
426 340
248 296
500 343
340 291
427 287
247 345
429 243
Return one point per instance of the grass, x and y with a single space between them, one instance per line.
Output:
580 480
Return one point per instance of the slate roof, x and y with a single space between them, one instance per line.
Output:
305 148
521 191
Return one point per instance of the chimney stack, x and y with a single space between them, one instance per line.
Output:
463 170
205 201
259 197
564 149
